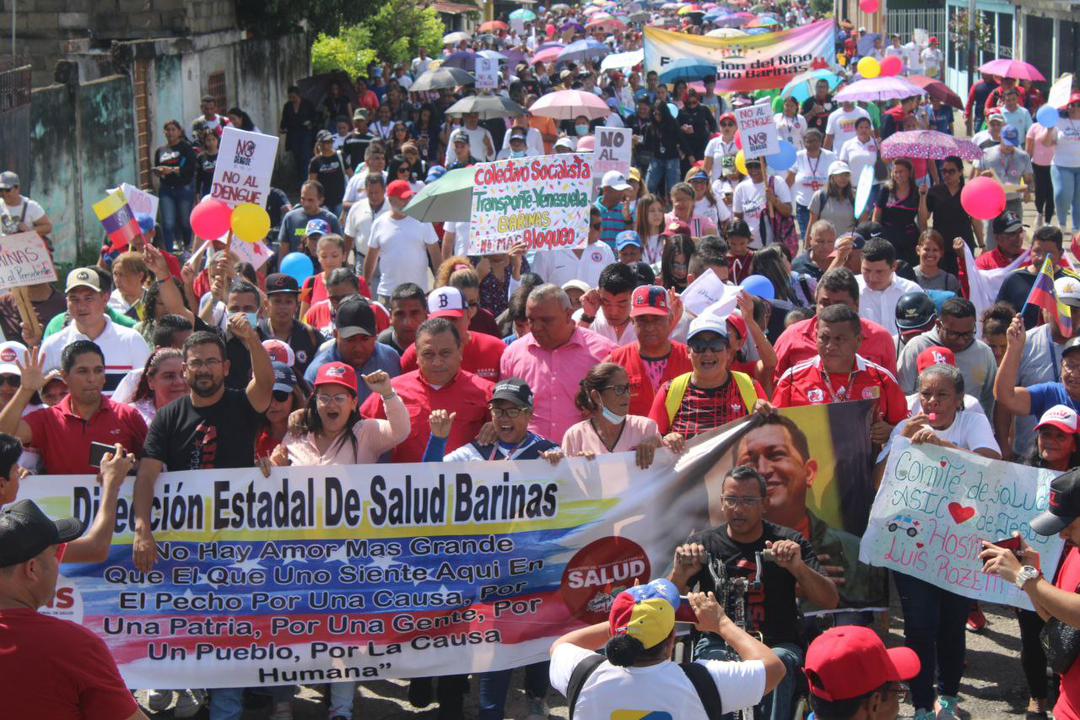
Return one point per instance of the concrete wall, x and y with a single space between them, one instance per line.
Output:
55 171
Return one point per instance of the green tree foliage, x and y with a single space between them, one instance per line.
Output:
393 34
275 17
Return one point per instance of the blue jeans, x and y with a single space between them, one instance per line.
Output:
802 214
780 703
226 703
662 173
1066 194
934 628
175 204
494 687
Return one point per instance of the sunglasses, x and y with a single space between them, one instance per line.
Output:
281 395
12 380
727 124
716 345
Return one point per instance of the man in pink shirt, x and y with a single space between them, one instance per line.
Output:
553 359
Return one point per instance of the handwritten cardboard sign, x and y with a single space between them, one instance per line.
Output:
24 261
935 506
244 167
487 73
759 136
612 152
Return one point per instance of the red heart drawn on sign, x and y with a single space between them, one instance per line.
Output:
961 514
919 545
944 463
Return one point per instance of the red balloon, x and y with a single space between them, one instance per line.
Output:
892 65
738 139
210 219
983 198
869 6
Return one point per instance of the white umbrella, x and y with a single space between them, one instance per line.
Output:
455 37
622 61
726 33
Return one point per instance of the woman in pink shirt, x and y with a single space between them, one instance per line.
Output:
605 397
336 434
1042 157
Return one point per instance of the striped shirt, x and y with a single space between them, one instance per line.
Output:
124 349
612 222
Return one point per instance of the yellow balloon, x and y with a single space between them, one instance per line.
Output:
869 67
740 162
250 222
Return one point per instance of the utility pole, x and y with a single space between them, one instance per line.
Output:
971 44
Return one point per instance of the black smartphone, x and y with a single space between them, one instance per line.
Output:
97 452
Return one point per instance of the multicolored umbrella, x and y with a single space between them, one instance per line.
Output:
878 89
928 145
762 22
1012 69
801 87
937 90
690 10
568 104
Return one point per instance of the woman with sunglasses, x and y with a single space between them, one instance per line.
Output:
604 396
721 151
289 396
399 135
940 209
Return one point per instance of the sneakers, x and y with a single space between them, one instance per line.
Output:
159 700
421 692
947 707
537 709
189 702
976 621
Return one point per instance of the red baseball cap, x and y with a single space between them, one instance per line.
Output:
399 189
676 227
737 322
935 355
336 373
849 661
649 300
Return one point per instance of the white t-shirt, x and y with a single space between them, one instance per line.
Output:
880 305
841 125
402 246
718 213
858 156
602 327
791 129
913 53
562 265
34 211
723 155
356 190
358 223
749 199
811 174
1067 151
898 52
460 228
477 147
660 690
932 59
970 431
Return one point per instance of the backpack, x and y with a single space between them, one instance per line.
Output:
677 391
697 674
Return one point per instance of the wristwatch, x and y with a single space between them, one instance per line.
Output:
587 318
1027 573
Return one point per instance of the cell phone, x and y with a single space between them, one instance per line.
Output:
97 452
1009 543
685 612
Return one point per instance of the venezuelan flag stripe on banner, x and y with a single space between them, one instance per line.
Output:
1043 295
117 219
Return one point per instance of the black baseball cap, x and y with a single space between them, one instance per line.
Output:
355 317
514 390
1064 504
1007 222
279 283
739 228
25 531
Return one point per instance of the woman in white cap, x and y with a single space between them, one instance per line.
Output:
835 202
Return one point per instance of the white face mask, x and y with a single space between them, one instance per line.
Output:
610 416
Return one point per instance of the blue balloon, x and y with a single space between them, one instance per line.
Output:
1048 116
759 286
783 160
298 266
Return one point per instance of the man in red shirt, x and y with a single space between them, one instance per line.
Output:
52 668
1009 240
480 353
799 342
654 359
839 374
64 433
438 384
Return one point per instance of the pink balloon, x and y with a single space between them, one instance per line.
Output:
210 219
983 198
892 65
869 6
738 139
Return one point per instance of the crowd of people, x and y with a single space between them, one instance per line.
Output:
403 347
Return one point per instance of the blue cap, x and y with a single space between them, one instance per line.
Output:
284 378
146 223
627 238
434 173
1010 136
318 226
700 175
641 94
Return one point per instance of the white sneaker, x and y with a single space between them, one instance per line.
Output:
538 709
189 703
158 700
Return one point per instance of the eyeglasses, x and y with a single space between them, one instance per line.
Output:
731 501
200 364
506 412
727 124
336 399
281 395
715 345
12 380
901 690
619 390
403 169
969 335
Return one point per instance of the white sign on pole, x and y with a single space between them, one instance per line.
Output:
487 73
255 253
24 261
612 152
244 167
759 136
140 201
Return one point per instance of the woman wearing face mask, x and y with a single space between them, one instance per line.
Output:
604 397
162 382
675 262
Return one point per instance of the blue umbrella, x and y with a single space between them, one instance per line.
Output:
462 60
587 49
523 15
689 69
802 85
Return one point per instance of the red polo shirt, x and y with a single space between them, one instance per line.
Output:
64 438
993 260
480 356
799 343
808 384
467 395
642 391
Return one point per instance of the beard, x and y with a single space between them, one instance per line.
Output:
206 387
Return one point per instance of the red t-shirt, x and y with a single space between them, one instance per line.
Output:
993 260
807 384
314 289
480 356
467 395
799 342
1068 704
318 316
702 409
56 670
64 438
641 388
265 444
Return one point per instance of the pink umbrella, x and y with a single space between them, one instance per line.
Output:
929 145
879 89
547 55
568 104
1012 69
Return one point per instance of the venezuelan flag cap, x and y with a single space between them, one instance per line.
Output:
645 612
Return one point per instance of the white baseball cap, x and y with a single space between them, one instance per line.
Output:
576 284
1068 290
446 302
707 323
615 180
11 351
1062 417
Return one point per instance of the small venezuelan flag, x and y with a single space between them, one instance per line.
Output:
117 219
1043 295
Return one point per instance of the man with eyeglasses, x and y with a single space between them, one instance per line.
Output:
955 330
480 353
355 344
729 551
853 677
20 214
